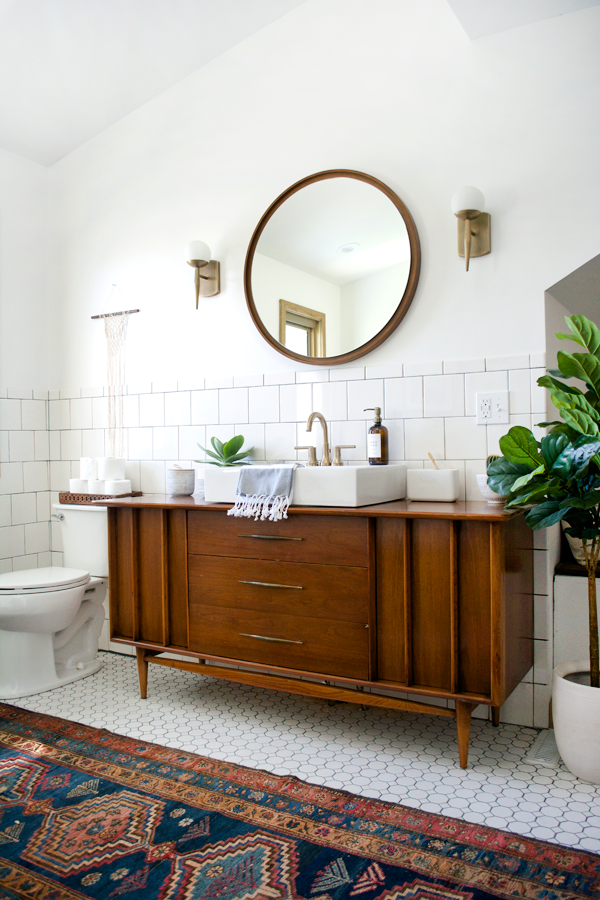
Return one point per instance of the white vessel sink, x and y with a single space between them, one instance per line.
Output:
321 485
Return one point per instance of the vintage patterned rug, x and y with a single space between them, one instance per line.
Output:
86 813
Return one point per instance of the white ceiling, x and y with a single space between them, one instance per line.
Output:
71 68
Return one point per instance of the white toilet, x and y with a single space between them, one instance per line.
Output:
51 618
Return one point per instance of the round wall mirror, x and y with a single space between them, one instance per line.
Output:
332 267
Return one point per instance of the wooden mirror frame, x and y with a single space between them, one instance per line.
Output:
405 301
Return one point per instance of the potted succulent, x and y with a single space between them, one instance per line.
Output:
223 457
557 479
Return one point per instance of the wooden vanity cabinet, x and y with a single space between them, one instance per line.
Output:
430 600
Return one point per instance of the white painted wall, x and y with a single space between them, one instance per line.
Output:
273 281
23 303
399 93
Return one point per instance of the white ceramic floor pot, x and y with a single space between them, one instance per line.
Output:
576 716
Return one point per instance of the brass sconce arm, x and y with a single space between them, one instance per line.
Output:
473 225
207 283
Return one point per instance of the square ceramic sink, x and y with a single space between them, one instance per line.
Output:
321 485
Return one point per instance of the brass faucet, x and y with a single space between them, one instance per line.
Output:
326 461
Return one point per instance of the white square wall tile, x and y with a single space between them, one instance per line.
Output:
70 445
205 407
59 412
96 391
33 414
161 387
403 398
254 436
347 433
542 617
519 386
295 402
542 661
21 446
518 361
152 477
24 509
431 367
443 395
538 360
4 450
312 376
19 392
482 381
263 404
25 562
100 412
218 381
12 541
41 444
165 443
247 381
394 370
40 394
423 436
54 441
465 439
5 510
178 408
331 399
280 378
11 477
152 409
495 432
355 374
44 559
60 473
81 413
10 415
43 506
233 406
37 537
541 705
539 395
473 467
5 566
395 429
189 438
131 411
140 443
456 366
280 439
92 442
362 395
518 709
35 476
132 473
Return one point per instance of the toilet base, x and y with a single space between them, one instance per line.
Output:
20 678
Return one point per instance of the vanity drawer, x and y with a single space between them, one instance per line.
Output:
327 592
296 642
328 540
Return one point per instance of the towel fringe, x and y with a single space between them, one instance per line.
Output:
260 506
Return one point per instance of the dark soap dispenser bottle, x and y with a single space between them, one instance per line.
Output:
377 440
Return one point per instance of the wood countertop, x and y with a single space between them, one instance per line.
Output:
469 510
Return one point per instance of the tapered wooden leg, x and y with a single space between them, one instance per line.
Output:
142 664
463 726
495 716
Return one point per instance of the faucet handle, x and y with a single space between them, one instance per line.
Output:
337 456
312 454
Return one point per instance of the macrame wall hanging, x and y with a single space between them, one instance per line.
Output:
115 328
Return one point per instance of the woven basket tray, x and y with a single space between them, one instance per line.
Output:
87 499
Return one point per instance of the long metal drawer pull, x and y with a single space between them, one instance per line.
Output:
270 537
296 587
262 637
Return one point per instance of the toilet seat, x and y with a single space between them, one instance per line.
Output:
40 581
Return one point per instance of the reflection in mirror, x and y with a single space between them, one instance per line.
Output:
330 265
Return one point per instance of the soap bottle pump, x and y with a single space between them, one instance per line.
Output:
377 440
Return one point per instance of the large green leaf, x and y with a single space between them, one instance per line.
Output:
583 366
218 446
580 421
520 446
502 474
567 400
552 446
544 515
524 480
547 381
233 446
583 332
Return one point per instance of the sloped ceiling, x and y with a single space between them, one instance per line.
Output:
71 68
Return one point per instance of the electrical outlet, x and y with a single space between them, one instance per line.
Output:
492 407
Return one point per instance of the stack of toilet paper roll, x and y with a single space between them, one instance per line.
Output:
100 475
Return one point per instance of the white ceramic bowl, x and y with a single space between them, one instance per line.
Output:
488 494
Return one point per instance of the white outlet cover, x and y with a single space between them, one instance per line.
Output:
492 407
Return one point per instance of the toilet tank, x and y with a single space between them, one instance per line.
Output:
84 533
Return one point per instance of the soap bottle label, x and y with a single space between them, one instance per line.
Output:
373 446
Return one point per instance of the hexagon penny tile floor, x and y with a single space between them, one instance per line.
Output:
404 758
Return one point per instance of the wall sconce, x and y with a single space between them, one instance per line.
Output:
473 224
208 284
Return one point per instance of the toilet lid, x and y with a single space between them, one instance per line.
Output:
50 578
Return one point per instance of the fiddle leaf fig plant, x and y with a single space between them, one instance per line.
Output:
228 454
558 478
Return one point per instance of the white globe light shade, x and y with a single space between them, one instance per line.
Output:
468 198
198 250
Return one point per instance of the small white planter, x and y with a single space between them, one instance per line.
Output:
576 716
